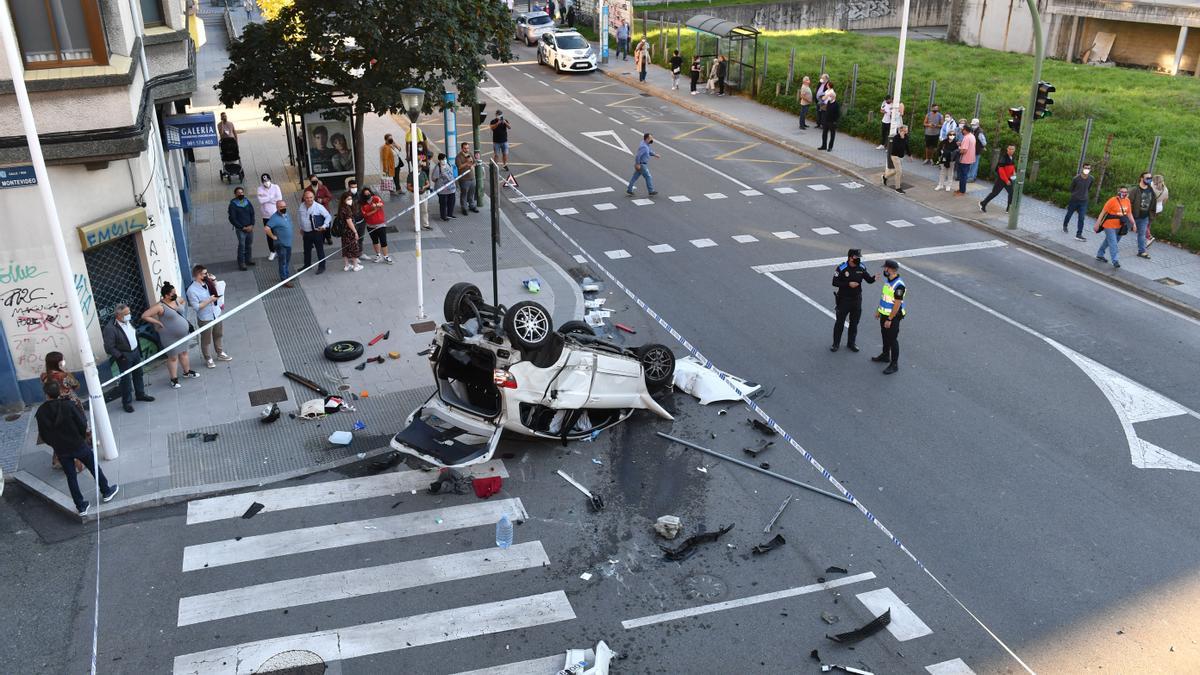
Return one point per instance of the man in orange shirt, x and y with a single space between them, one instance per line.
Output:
1115 216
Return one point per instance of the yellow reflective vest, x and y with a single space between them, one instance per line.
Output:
888 299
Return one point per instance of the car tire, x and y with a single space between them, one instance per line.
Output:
528 325
541 61
658 364
455 307
576 328
344 350
557 67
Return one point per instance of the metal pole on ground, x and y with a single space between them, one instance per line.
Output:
853 88
493 188
450 121
791 71
978 104
1014 210
932 94
603 32
108 444
476 120
1154 154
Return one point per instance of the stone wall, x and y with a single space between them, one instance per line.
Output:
839 14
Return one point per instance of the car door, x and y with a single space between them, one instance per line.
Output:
443 436
548 48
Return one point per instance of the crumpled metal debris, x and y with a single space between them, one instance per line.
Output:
827 667
685 551
834 569
762 426
668 527
830 618
872 627
775 542
762 447
448 480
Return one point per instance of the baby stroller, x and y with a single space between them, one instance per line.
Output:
230 161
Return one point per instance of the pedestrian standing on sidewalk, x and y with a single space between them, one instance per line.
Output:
63 427
375 220
1081 187
695 72
1143 200
885 122
711 86
847 279
641 166
980 145
465 163
248 5
443 181
833 113
641 59
949 126
206 299
419 201
169 318
822 85
722 73
121 345
676 68
1115 221
499 127
895 160
391 160
360 224
933 127
351 242
891 312
315 221
1160 189
966 157
1004 175
241 217
806 99
947 160
279 230
268 195
623 41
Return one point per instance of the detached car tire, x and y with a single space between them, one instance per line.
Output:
658 364
455 306
344 350
576 328
528 325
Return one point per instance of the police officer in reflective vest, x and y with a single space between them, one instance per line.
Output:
891 312
848 278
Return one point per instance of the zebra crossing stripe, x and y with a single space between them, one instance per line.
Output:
714 195
703 243
358 582
580 259
900 223
786 234
751 193
818 187
824 231
321 537
785 190
566 211
546 665
643 202
936 220
617 254
316 494
661 248
905 624
863 227
680 198
380 637
951 667
745 238
605 206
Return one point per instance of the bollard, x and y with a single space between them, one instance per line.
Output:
778 88
1033 171
1177 220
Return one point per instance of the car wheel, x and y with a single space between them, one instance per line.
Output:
576 328
557 66
528 325
344 350
456 307
541 61
658 364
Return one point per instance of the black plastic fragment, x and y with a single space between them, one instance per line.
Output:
834 569
814 656
762 426
872 627
776 542
209 438
753 452
253 510
686 549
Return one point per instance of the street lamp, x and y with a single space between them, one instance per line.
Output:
413 99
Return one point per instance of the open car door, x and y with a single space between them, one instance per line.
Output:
441 436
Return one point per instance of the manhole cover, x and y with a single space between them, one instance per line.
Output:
1169 281
294 662
703 587
264 396
423 326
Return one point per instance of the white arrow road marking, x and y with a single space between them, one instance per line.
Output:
609 138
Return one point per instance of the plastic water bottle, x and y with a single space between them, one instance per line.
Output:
504 532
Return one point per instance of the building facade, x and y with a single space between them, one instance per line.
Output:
120 194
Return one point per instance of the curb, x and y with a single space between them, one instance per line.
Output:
1012 237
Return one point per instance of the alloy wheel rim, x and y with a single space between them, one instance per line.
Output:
531 325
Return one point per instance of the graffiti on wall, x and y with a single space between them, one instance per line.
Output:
858 10
35 314
84 292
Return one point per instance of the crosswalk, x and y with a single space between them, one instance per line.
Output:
268 554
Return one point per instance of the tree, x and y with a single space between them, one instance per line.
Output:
318 54
270 8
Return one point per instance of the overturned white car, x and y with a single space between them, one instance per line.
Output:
500 368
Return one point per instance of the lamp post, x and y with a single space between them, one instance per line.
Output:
897 122
413 99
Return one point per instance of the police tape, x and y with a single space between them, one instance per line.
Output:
768 420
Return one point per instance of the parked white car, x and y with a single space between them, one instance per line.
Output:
531 26
566 50
500 368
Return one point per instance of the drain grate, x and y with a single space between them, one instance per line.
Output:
1168 281
294 662
264 396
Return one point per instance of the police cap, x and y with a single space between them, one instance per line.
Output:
891 264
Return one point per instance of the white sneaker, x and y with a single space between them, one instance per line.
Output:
936 189
224 357
346 268
357 268
378 258
208 363
389 260
879 147
175 384
271 256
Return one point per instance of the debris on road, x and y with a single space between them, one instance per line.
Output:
668 527
209 438
393 355
825 668
595 501
627 329
586 576
382 336
685 551
775 542
448 480
762 426
834 569
829 618
305 382
359 425
707 384
702 469
762 447
533 285
486 486
361 366
771 522
253 510
872 627
270 414
341 437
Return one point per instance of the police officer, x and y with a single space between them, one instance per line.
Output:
891 312
848 278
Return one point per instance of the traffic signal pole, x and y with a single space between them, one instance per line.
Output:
1027 119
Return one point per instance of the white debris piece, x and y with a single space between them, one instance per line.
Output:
706 384
668 527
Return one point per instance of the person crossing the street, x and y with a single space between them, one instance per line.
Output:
848 278
641 166
891 312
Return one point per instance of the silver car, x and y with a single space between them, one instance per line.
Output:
531 25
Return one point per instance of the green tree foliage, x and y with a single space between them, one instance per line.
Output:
316 54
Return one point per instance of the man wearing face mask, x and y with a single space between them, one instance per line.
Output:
241 217
121 344
891 311
279 229
1143 199
847 279
1081 186
315 222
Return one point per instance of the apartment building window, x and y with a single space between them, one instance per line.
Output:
152 13
56 33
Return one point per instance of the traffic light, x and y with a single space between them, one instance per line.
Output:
1043 100
477 113
1014 119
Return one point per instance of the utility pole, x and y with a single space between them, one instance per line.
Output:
897 101
1027 120
476 120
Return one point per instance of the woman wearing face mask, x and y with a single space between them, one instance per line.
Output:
351 243
443 182
373 217
945 159
268 194
168 316
56 371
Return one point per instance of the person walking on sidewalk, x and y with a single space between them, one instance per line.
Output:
823 84
315 222
351 243
121 345
375 220
279 230
391 160
204 295
891 312
63 427
847 279
695 72
933 127
443 182
947 160
1004 175
169 318
241 217
895 160
980 145
56 371
641 59
676 68
1081 187
722 73
1115 221
269 194
885 121
966 157
806 99
1143 201
623 41
833 113
641 166
499 127
465 162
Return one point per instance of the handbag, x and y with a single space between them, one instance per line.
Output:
339 227
386 184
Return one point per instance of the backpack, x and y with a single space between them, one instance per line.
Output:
339 228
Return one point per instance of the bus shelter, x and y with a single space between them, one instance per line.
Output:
715 36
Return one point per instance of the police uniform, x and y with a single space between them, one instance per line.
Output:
892 294
848 299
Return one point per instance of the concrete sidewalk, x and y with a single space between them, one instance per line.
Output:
164 454
1171 276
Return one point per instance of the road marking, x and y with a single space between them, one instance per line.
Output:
609 138
863 227
785 190
582 260
615 120
562 195
322 537
900 223
595 111
786 234
381 637
358 582
909 253
852 185
751 193
951 667
703 243
531 215
543 83
661 248
316 494
905 624
605 206
566 211
745 602
936 220
643 202
617 254
577 100
543 666
714 195
560 91
796 292
528 75
818 187
824 231
745 238
680 198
